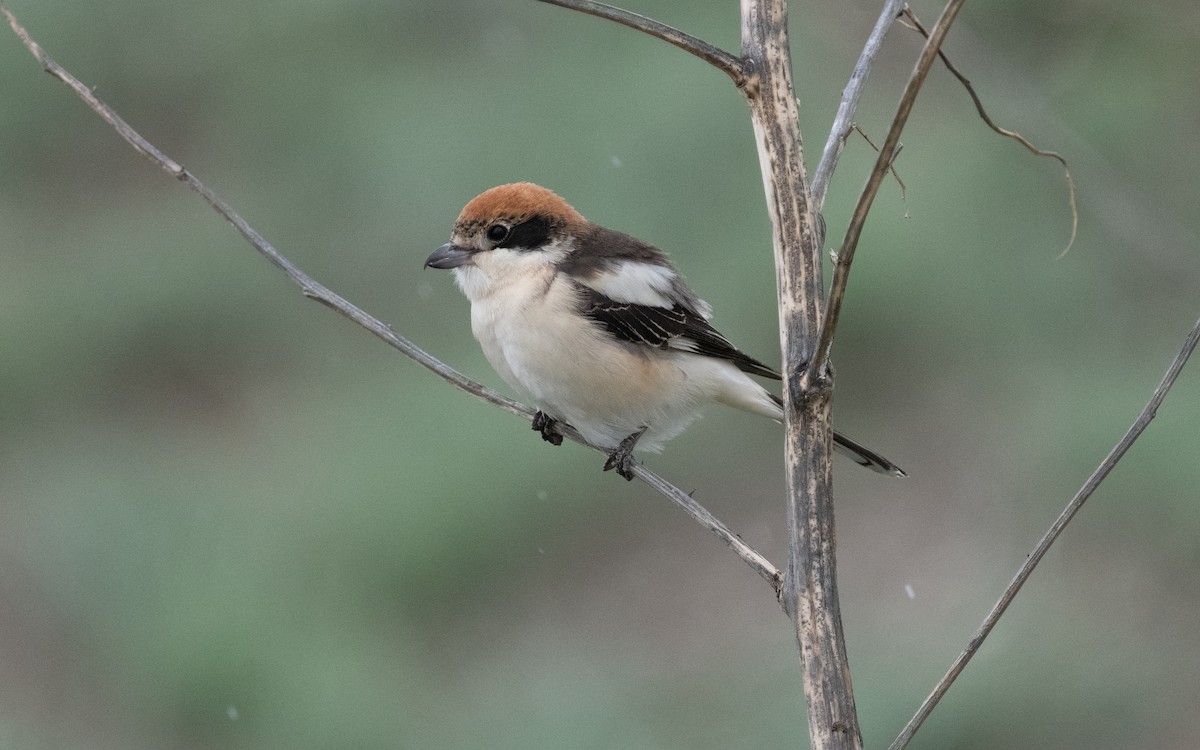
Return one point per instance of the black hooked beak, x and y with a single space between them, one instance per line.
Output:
448 256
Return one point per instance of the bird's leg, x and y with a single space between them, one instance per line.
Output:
548 426
621 457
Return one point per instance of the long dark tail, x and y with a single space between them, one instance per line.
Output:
857 453
865 456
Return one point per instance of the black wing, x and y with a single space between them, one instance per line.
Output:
663 328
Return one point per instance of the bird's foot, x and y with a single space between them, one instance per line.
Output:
621 457
548 426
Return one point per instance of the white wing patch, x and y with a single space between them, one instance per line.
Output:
637 283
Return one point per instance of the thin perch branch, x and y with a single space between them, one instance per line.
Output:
731 65
845 255
320 293
759 564
1099 475
843 123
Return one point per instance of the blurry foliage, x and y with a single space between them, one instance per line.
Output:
230 519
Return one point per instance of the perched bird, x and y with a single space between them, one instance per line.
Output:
597 327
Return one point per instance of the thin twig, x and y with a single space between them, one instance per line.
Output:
1099 475
320 293
732 65
983 115
844 120
841 271
892 169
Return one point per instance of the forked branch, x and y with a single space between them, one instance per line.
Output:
887 153
843 123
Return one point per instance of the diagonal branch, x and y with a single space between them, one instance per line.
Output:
759 564
843 123
845 255
732 65
1099 475
316 291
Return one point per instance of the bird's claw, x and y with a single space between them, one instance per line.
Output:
548 427
621 457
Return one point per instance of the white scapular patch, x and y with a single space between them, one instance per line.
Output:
636 282
683 344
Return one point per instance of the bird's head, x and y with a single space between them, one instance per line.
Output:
520 223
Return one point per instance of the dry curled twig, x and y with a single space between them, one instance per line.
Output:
983 115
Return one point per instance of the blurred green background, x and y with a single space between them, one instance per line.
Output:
230 519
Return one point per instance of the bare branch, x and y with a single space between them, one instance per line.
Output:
316 291
983 115
733 66
810 593
1099 475
844 121
845 255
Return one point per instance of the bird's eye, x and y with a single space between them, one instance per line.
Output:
497 232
